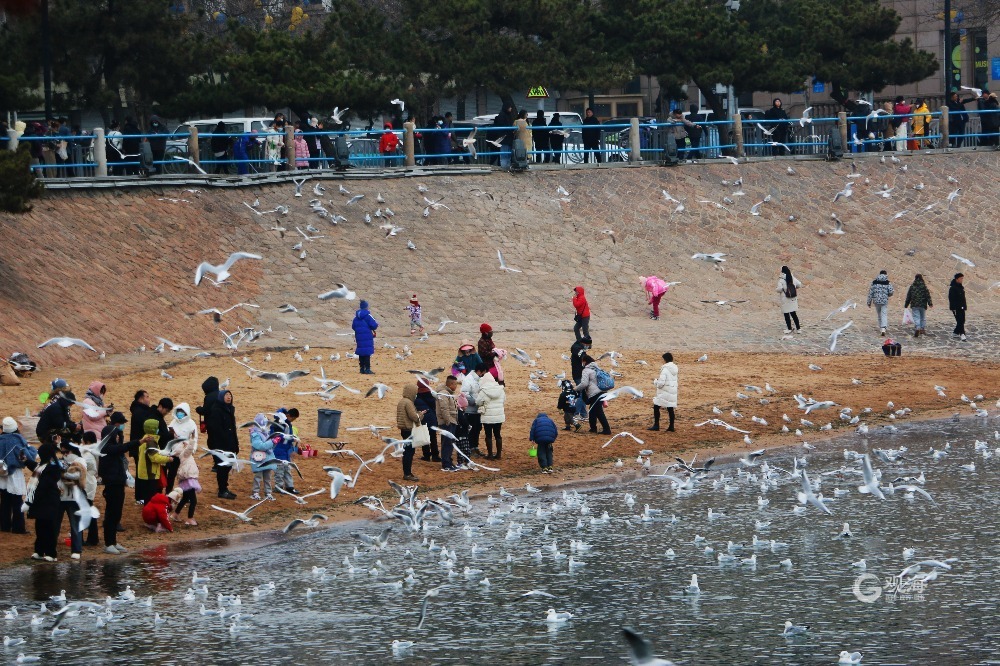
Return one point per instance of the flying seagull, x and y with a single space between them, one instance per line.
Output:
66 342
503 264
340 292
836 334
221 271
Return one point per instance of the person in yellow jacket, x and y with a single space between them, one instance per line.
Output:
149 478
921 125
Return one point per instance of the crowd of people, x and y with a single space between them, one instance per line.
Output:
73 457
880 291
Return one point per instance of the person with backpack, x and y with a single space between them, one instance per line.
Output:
567 405
666 392
576 354
594 382
788 287
879 293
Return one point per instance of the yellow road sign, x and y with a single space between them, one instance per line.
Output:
538 92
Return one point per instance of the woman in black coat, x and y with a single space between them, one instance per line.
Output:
556 140
222 435
779 131
540 137
46 507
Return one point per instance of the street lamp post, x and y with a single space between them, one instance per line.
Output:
46 59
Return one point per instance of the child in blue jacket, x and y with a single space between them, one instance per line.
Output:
285 446
543 433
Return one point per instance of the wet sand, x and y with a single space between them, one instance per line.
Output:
579 458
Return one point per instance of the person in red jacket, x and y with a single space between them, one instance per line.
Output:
388 146
156 512
582 317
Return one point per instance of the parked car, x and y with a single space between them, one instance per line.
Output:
177 142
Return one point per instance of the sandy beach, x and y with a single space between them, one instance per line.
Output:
579 457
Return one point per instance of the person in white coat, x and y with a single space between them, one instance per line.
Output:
491 400
788 287
666 392
186 428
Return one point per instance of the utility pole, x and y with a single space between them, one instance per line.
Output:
47 59
947 47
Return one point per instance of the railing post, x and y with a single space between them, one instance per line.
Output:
409 151
634 144
193 153
842 127
943 129
738 133
100 152
12 139
290 148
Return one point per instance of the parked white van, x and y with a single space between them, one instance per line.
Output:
177 142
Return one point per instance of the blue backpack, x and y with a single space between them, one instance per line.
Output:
605 382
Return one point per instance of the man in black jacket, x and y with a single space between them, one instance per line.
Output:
113 470
140 411
591 136
56 417
957 305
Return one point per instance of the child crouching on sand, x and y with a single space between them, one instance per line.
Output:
156 511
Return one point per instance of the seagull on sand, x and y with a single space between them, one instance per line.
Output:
221 271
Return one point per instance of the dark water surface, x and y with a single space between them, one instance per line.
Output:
626 579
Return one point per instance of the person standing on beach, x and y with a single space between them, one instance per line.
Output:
223 436
788 287
407 418
588 388
666 392
879 293
576 354
113 470
491 399
364 326
957 304
581 329
918 299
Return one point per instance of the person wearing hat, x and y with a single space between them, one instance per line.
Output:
149 473
56 416
43 501
113 470
74 476
487 349
414 310
576 354
95 417
879 293
14 453
467 358
223 435
364 326
957 304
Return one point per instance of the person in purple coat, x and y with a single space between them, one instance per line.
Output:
364 326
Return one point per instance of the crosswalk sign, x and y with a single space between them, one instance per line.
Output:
538 92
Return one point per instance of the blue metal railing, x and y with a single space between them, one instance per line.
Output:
492 145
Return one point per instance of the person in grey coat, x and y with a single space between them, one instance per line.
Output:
879 294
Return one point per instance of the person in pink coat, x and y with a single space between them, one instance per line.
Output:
655 288
95 416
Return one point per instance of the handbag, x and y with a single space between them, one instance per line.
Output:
421 436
